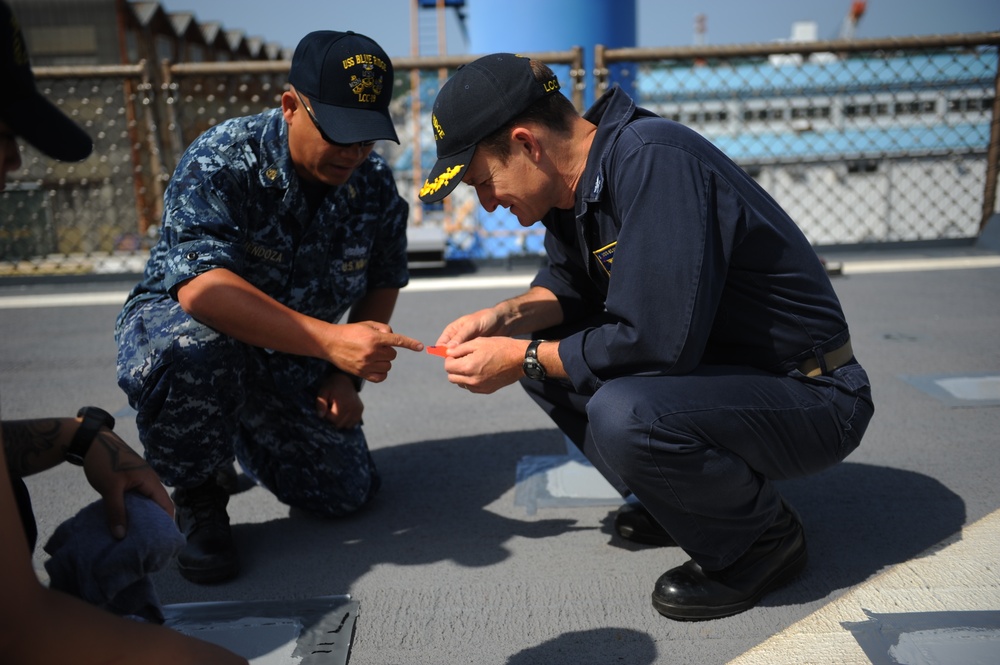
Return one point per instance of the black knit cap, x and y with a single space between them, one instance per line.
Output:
30 115
479 99
348 80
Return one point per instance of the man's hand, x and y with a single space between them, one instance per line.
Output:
486 364
367 349
338 401
484 323
112 468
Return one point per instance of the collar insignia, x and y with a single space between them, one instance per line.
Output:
606 256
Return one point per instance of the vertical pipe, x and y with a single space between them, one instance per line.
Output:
448 203
992 153
144 217
416 162
600 71
578 77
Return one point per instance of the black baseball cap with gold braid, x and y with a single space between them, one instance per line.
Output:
30 115
479 99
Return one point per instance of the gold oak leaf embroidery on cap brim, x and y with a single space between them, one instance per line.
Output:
440 181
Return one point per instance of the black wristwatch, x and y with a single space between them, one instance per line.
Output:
532 368
93 420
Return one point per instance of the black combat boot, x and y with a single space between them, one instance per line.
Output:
690 593
210 554
633 522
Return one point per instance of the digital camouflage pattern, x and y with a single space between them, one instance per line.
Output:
235 202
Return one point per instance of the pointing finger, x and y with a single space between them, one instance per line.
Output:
404 342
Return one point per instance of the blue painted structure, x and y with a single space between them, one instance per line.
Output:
839 126
518 26
521 26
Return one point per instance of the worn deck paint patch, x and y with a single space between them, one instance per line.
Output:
929 638
978 389
546 481
313 631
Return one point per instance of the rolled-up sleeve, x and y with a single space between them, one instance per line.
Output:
191 259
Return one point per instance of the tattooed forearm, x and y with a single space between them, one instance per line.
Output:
38 444
122 457
34 445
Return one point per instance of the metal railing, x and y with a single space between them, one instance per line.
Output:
862 142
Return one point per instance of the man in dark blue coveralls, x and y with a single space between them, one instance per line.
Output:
274 226
685 336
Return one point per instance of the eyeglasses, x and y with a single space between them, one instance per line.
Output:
312 116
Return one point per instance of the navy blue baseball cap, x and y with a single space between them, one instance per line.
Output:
479 99
30 115
348 80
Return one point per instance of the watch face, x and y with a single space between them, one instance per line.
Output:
533 369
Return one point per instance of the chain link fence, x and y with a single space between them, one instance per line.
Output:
862 142
57 217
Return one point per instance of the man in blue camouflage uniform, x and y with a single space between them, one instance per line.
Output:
686 335
274 227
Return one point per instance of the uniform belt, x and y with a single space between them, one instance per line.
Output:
832 359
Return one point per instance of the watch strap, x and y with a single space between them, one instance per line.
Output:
532 350
531 367
94 419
